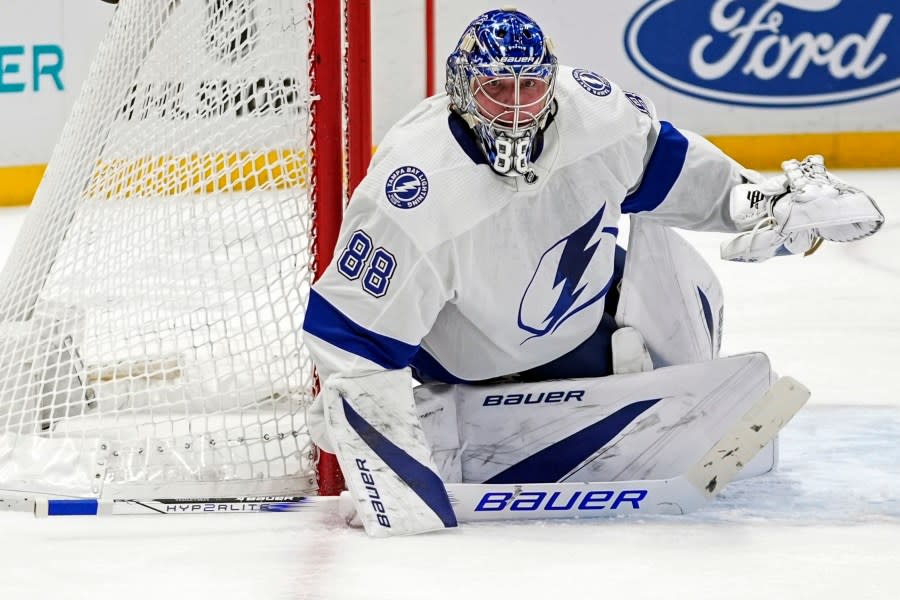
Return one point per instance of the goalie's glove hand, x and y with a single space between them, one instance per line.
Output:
792 213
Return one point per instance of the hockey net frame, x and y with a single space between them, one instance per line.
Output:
53 438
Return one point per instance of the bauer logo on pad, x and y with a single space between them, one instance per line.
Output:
779 53
406 187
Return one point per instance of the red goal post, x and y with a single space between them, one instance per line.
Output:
353 148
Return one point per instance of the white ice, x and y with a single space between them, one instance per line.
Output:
826 525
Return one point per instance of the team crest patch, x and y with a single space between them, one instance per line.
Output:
638 102
593 83
406 187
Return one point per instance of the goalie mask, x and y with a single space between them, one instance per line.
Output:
501 80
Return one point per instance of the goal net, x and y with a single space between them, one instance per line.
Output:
151 309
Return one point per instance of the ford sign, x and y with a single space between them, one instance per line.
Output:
777 53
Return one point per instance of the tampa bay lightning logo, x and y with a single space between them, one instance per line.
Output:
406 187
579 275
593 83
638 102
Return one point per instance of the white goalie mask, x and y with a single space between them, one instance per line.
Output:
501 80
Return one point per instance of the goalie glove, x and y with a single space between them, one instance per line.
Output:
793 212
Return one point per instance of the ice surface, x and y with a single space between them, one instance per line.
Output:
826 525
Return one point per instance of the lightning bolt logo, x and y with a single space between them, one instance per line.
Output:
565 281
402 188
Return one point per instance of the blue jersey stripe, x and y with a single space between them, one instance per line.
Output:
327 323
420 479
557 460
661 173
426 368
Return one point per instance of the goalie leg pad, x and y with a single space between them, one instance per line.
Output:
383 453
671 296
649 425
438 416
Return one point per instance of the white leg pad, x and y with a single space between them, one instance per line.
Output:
438 415
383 453
671 295
649 425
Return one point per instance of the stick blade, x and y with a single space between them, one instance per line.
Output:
748 436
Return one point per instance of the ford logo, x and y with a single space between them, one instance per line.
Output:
778 53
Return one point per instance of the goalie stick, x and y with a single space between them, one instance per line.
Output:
487 502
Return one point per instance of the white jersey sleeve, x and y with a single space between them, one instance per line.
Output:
686 180
375 302
381 293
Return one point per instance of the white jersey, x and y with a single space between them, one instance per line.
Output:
466 275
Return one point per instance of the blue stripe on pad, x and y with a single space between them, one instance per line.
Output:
707 314
557 460
422 480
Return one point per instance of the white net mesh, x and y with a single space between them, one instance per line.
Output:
150 312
